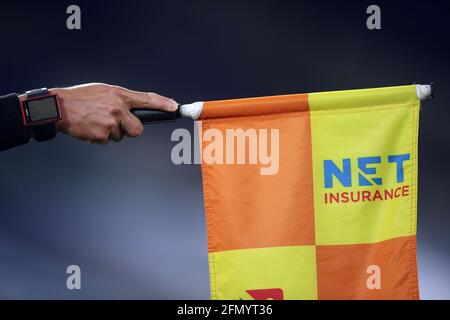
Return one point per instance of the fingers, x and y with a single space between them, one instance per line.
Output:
97 113
99 128
114 128
116 133
131 125
105 127
148 100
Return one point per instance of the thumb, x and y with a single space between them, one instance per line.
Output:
149 100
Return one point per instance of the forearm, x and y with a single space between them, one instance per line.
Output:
12 130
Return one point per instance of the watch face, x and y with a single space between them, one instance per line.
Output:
40 110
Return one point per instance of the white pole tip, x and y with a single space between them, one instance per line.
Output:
424 91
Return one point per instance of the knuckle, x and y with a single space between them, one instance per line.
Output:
116 111
110 124
100 137
136 131
148 97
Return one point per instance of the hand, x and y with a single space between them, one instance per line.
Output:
97 113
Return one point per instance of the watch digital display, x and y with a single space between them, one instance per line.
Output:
41 109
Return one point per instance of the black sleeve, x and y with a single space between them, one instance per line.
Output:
12 130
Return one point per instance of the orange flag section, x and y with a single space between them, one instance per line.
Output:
340 276
337 219
245 209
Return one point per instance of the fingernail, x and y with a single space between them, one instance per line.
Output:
173 105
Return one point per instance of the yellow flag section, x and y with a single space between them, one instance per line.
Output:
338 218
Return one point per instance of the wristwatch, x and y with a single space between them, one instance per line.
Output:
40 111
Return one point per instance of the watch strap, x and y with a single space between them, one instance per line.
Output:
37 93
43 132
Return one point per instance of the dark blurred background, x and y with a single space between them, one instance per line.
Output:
132 220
